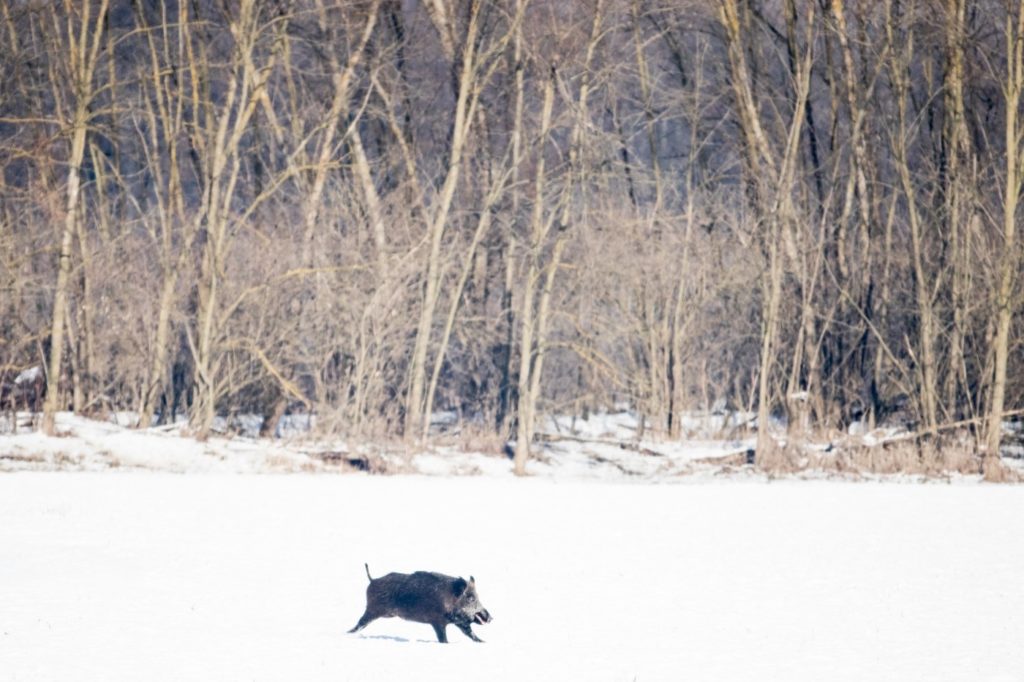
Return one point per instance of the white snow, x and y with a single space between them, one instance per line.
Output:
29 375
151 576
586 451
90 445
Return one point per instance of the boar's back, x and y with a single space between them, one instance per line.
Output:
420 596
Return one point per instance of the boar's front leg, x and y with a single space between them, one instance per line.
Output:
468 631
439 628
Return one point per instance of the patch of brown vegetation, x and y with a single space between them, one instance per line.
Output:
920 456
473 438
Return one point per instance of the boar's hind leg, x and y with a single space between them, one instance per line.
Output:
364 621
442 636
468 631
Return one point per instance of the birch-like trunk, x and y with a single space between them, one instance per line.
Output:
1012 89
773 183
927 384
415 420
164 112
524 423
82 53
534 314
482 227
244 87
477 66
957 140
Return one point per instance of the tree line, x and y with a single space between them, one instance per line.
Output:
372 210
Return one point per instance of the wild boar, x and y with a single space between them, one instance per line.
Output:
423 597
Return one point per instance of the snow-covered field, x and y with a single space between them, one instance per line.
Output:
154 576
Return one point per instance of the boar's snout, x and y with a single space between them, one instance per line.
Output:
482 617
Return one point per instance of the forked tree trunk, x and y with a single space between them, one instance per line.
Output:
243 93
82 54
482 227
415 419
927 384
534 313
165 113
773 183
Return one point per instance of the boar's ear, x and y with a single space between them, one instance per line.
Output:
459 587
472 581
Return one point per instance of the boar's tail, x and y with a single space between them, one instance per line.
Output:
367 567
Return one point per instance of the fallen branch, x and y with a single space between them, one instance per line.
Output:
914 435
621 444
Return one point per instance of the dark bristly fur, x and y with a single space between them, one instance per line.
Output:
432 598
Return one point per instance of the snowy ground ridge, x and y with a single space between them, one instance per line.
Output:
604 447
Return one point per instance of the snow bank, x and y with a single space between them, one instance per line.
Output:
602 447
88 445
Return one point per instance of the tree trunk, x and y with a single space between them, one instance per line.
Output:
483 224
415 420
1014 29
161 342
534 314
82 56
60 297
772 183
958 158
927 385
524 424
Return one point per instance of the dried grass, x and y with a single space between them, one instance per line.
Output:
475 438
921 456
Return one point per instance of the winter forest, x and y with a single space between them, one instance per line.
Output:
372 211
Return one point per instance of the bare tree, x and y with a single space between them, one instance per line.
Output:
536 292
772 181
477 62
368 211
79 37
1013 87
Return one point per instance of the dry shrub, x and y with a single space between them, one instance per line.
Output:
917 456
63 460
478 438
469 437
780 459
922 456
